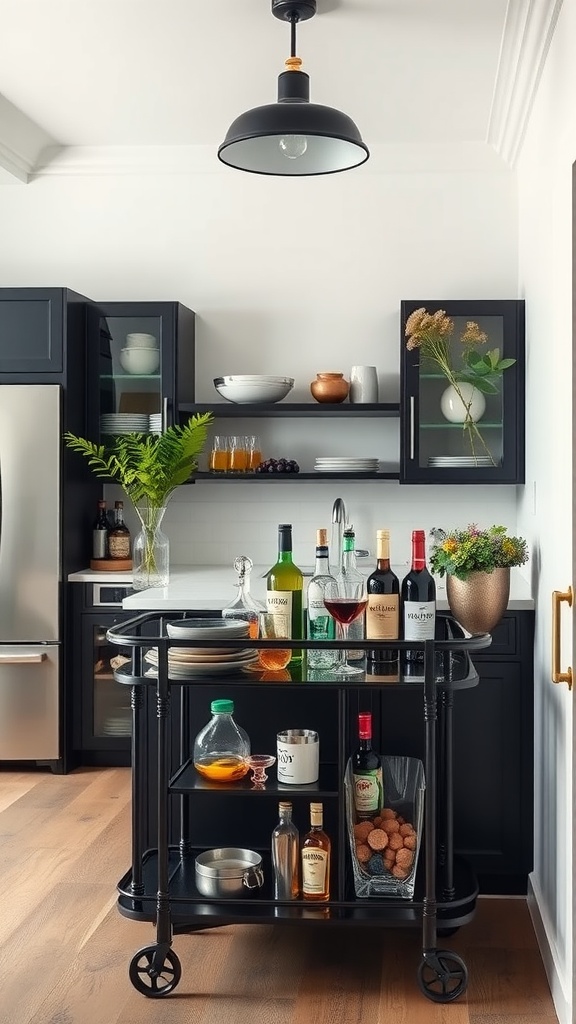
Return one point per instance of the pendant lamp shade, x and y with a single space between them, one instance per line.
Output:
293 137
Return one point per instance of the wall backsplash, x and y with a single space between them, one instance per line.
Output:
211 523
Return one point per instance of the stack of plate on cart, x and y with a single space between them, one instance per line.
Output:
189 662
155 423
345 464
460 461
124 422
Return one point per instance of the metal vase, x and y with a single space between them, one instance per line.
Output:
479 602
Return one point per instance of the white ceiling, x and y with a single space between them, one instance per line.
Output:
162 73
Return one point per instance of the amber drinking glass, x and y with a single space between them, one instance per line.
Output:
274 627
238 462
254 450
219 455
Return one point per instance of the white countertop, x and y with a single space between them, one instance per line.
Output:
213 587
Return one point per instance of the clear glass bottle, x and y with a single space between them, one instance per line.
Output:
244 606
315 855
320 624
285 854
222 746
356 629
284 587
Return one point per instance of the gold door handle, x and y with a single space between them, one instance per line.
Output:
557 597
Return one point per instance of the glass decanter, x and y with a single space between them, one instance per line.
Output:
244 606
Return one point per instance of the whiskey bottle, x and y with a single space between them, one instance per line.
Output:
100 532
320 623
284 587
285 849
315 857
383 608
119 534
366 772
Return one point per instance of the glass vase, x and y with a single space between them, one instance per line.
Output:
150 550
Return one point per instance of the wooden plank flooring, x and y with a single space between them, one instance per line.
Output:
65 949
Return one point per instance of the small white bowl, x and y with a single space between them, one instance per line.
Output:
257 393
141 341
140 360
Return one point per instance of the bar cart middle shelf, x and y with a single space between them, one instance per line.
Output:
159 886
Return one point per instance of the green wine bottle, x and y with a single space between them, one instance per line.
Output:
284 588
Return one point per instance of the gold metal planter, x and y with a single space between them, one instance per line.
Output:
479 602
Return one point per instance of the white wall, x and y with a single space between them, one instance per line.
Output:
289 277
545 518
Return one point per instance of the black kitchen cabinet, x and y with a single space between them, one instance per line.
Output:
42 335
141 367
434 446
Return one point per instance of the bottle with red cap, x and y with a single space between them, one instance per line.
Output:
418 595
366 772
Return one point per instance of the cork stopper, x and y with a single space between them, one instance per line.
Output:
321 538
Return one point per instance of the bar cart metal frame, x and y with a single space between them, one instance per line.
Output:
159 887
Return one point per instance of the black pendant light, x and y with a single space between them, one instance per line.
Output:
293 136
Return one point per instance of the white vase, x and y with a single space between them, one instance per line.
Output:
456 409
363 384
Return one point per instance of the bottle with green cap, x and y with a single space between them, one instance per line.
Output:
222 746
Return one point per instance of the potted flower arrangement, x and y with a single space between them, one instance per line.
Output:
477 566
149 467
479 372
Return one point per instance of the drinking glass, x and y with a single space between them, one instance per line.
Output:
219 454
254 451
274 627
345 598
238 462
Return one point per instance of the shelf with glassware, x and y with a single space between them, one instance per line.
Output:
462 391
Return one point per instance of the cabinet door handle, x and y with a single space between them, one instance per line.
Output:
557 597
21 659
412 427
164 414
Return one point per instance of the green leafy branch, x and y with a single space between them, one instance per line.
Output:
483 370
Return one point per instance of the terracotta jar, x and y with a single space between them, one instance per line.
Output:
329 387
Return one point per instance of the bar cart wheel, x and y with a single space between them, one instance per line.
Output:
155 971
442 976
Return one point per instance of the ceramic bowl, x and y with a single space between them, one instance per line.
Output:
257 392
140 360
137 340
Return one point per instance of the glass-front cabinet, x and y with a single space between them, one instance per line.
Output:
142 367
462 392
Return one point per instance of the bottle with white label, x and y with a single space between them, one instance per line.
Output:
320 623
366 772
418 595
284 587
383 608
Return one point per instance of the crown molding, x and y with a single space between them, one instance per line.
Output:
21 141
528 30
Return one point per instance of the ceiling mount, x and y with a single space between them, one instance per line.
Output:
286 9
293 137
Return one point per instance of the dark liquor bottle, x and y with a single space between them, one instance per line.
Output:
418 594
100 533
119 534
383 608
367 772
315 855
284 586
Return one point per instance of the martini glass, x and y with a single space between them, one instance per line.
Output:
345 599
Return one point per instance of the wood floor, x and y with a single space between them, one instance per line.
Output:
65 949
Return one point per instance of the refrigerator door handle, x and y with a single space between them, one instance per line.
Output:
21 659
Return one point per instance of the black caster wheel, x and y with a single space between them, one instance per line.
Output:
445 933
155 980
442 976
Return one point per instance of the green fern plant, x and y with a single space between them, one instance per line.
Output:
148 466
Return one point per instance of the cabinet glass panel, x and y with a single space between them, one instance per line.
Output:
461 428
112 714
130 374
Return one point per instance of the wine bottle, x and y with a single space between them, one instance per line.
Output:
349 569
418 594
284 586
285 853
100 532
383 608
366 772
315 854
119 534
320 623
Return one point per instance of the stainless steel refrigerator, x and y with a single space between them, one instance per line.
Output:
30 571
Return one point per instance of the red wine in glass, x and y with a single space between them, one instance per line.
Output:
344 609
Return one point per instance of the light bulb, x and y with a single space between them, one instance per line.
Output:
293 146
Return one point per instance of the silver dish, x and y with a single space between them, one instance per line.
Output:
228 872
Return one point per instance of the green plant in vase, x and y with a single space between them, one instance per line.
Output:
478 372
149 467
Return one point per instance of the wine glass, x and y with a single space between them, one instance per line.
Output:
345 599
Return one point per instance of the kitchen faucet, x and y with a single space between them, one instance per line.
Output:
339 522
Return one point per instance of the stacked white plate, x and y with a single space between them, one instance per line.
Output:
155 422
346 464
460 461
124 422
188 662
118 725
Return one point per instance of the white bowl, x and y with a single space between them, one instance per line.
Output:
256 393
255 378
141 341
140 360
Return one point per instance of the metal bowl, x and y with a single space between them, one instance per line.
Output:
228 872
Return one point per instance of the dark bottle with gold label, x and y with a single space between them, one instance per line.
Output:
383 608
119 535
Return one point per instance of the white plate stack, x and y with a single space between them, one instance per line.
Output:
155 423
189 662
461 461
124 422
345 464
